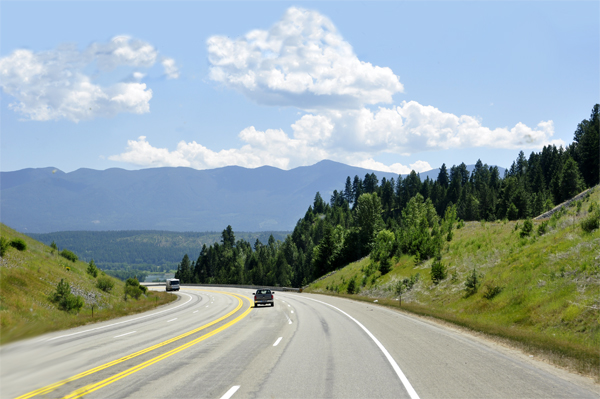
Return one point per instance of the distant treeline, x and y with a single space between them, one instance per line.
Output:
402 216
128 253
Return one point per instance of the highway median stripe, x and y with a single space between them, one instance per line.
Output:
94 387
49 388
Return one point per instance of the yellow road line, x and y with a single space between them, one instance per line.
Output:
93 387
52 387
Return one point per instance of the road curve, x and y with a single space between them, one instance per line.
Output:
213 344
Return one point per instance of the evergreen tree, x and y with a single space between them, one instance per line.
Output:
571 182
348 193
588 148
442 178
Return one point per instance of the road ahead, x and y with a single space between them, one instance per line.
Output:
213 344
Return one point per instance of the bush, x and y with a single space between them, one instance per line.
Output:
385 266
491 291
592 222
65 299
472 283
133 291
105 284
92 270
352 286
543 228
65 253
527 228
438 271
4 245
18 244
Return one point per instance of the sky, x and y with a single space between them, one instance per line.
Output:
390 86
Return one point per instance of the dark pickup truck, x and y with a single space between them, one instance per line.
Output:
263 297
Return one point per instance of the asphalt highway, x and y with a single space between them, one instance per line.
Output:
211 343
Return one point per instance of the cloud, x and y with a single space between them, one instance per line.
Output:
414 128
354 137
301 61
53 85
171 70
419 166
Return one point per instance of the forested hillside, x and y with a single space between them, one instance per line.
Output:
402 216
136 253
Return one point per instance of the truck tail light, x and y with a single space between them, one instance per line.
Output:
271 296
255 297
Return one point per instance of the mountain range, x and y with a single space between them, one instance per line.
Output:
47 200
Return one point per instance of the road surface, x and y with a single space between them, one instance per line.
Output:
211 343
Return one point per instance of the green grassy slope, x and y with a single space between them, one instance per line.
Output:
547 286
28 279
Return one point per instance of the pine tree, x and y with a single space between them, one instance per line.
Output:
571 182
348 195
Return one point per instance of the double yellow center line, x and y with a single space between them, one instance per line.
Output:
95 386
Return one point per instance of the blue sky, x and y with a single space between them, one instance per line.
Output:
391 86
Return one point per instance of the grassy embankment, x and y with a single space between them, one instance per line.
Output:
29 278
547 287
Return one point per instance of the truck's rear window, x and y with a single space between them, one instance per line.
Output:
263 292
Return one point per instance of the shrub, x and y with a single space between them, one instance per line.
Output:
438 271
18 244
592 222
4 245
133 291
543 228
527 228
92 270
65 253
472 283
105 284
385 266
352 286
400 288
65 299
491 291
54 247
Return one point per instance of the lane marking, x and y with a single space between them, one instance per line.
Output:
95 386
122 335
411 391
278 341
292 311
195 311
172 320
290 320
121 322
231 391
52 387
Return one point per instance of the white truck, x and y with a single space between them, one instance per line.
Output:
172 284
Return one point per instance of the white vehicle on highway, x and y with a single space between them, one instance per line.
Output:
172 284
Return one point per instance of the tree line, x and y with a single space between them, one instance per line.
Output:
401 216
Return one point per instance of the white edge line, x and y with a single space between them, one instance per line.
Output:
231 391
121 322
124 334
278 341
411 391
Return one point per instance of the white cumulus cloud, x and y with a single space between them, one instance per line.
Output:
301 61
53 85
